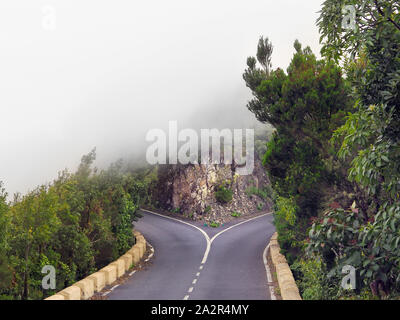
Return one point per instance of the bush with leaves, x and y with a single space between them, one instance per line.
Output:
223 194
314 284
288 231
78 224
305 105
346 237
370 140
5 272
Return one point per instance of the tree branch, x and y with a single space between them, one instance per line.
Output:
383 14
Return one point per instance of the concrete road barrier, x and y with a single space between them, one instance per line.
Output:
141 244
287 284
135 253
120 264
110 274
85 288
99 281
128 261
71 293
56 297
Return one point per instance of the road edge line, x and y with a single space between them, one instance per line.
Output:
268 271
238 224
191 225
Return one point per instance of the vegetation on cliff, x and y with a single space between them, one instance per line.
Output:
78 224
334 159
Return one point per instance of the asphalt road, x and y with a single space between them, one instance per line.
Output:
201 263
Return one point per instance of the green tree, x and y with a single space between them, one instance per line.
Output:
305 105
369 141
34 221
5 271
264 54
78 224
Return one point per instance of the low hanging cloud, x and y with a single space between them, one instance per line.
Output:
77 74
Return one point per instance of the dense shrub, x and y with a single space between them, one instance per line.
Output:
314 284
305 105
346 237
223 194
266 193
78 224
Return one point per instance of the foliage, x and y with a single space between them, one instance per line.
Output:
223 194
338 139
5 274
347 237
314 285
369 140
266 193
236 214
78 224
214 224
176 210
305 105
288 232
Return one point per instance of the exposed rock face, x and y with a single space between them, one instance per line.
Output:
190 190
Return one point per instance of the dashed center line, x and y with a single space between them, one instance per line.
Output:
208 240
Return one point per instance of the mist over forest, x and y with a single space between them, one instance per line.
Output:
97 174
104 74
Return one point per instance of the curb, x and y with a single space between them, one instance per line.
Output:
87 287
287 284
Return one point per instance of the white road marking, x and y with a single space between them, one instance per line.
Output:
132 273
190 290
238 224
116 286
268 271
208 240
151 254
191 225
197 274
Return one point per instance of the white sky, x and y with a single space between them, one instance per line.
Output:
111 70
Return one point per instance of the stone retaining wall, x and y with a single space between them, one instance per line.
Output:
287 284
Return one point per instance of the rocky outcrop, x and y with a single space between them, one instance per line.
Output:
190 190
